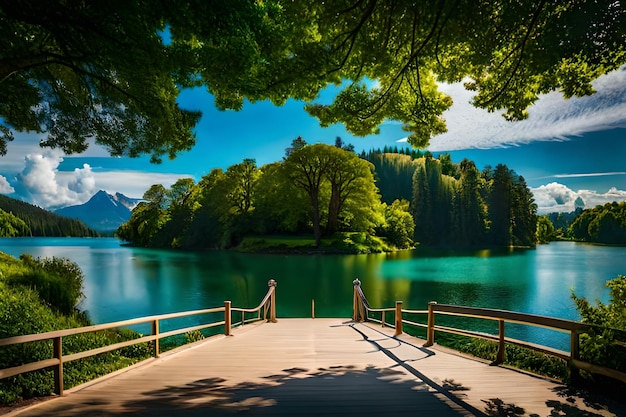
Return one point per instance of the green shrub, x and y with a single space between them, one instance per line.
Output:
33 295
23 313
605 344
515 356
194 336
58 281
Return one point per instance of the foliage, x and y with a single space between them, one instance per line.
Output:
193 336
12 226
494 208
32 295
29 220
601 224
81 70
399 226
545 230
394 174
58 281
515 356
563 221
113 70
319 187
327 189
605 344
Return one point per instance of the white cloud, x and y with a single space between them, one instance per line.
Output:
47 187
555 197
41 182
5 187
591 174
37 178
551 118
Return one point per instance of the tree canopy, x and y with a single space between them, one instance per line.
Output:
112 71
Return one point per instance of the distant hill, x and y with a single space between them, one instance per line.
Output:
103 212
40 222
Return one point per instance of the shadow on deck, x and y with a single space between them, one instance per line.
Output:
321 367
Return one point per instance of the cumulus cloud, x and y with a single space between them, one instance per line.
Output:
47 187
5 187
551 118
42 183
555 197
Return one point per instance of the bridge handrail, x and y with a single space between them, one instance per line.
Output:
361 310
268 305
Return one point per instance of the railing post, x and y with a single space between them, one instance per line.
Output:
574 372
272 283
155 332
227 319
398 318
501 347
430 331
58 370
357 305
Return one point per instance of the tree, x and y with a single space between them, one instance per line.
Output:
181 207
470 208
399 224
296 144
307 168
112 70
147 219
209 227
242 180
523 214
347 175
432 201
604 344
76 70
500 202
340 178
12 226
602 224
545 230
280 206
394 175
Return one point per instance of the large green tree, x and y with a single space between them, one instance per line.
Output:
112 70
339 179
470 208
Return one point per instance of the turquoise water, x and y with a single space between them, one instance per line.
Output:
123 282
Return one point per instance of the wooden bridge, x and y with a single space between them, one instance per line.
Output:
316 367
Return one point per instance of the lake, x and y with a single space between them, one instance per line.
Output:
123 282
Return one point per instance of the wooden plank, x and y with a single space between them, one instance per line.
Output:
312 367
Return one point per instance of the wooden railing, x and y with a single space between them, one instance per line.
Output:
363 312
267 308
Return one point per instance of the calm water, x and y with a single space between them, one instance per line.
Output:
123 283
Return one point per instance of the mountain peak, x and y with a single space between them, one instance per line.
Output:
103 212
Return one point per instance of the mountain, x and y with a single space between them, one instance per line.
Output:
103 212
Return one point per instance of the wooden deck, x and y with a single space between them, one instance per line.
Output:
318 367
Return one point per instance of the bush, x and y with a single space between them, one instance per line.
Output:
38 296
22 313
605 344
58 281
515 356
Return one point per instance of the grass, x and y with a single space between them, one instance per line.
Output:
341 242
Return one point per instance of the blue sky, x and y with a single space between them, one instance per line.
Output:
566 149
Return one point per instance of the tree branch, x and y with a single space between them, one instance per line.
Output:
521 47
